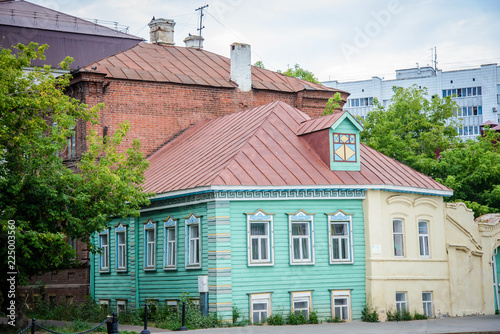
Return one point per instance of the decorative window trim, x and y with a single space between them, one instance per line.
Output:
422 237
342 294
340 217
260 216
192 220
169 223
120 228
148 226
104 255
300 296
260 298
402 237
121 302
301 217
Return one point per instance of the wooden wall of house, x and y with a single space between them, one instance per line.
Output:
158 284
321 277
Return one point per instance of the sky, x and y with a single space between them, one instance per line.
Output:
344 40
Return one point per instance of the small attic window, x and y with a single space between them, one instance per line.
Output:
344 146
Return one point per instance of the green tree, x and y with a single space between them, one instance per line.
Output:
298 72
39 195
413 129
472 170
259 64
332 104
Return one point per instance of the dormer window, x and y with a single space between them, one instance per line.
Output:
344 147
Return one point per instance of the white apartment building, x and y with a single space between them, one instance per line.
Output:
477 92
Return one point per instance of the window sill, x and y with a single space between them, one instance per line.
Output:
193 267
104 271
121 270
149 269
310 263
261 264
169 268
342 262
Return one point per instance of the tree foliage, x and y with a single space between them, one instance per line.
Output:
332 104
259 64
421 133
472 170
413 129
48 201
298 72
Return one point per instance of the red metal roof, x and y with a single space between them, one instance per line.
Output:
151 62
261 147
319 123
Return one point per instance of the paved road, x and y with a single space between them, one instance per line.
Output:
476 324
472 324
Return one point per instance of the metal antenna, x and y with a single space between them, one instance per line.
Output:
435 59
201 23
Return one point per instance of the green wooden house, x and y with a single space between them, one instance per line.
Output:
262 209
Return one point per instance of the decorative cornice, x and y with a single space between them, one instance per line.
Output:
465 232
425 200
235 195
400 199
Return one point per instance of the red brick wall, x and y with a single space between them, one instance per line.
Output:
158 111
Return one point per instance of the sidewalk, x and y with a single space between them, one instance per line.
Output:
471 324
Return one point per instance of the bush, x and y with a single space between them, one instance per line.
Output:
335 320
404 315
368 314
296 319
236 314
276 319
313 318
418 316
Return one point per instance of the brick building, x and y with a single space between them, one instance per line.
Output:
162 89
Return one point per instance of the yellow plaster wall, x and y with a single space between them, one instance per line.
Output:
456 272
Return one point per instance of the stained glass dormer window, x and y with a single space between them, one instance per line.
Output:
344 147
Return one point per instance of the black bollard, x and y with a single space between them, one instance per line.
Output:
145 330
113 325
33 326
183 328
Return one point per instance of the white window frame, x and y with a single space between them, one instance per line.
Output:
301 217
121 302
121 249
149 244
172 304
260 216
402 233
427 305
104 254
169 246
341 295
190 222
299 297
260 298
401 303
424 240
340 217
102 303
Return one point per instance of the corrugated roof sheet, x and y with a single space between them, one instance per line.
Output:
28 15
261 147
192 67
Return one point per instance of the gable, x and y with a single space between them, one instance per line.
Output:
344 145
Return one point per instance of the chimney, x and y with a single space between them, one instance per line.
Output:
194 42
241 66
161 31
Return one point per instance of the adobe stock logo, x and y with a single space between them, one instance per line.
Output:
372 29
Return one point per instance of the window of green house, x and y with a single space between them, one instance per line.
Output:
301 303
149 245
104 251
340 232
193 242
121 247
260 239
301 237
260 307
341 304
170 244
